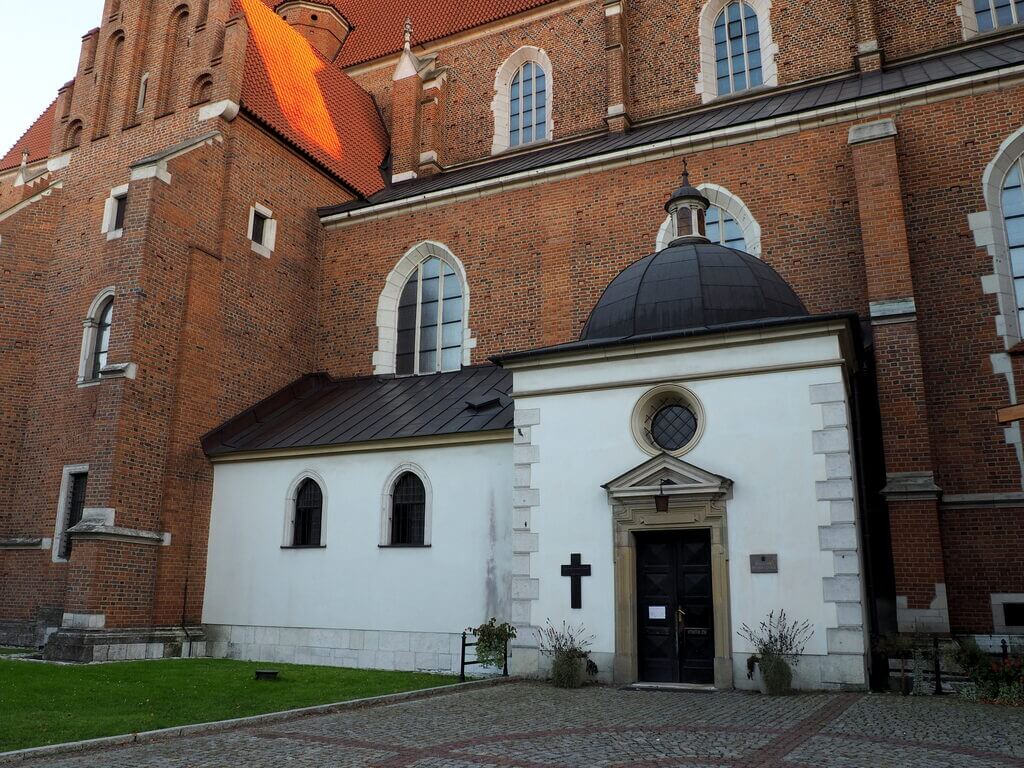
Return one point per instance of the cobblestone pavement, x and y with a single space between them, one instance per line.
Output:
536 726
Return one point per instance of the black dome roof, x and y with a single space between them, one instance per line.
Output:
690 285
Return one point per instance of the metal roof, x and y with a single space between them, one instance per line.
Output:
318 411
962 62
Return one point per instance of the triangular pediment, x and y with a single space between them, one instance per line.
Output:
665 474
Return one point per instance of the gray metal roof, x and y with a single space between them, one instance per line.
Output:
972 60
318 411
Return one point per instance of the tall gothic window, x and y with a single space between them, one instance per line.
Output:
430 313
528 105
737 49
1013 216
995 14
101 344
309 508
408 511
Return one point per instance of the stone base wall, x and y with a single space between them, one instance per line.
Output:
30 633
84 645
834 672
357 648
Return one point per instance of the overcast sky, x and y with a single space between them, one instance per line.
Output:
39 53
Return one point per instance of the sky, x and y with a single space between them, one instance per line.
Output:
39 53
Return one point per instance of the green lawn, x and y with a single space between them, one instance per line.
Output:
47 704
9 651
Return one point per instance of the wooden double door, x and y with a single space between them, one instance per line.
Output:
675 621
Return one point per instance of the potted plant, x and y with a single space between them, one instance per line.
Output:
778 643
894 645
492 641
569 652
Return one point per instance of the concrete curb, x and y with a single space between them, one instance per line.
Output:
218 726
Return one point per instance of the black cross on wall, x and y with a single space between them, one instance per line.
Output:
576 570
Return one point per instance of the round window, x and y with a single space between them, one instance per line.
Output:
668 419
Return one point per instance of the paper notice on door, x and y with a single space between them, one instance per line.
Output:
656 612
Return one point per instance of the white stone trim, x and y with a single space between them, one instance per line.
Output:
110 212
502 84
266 248
525 498
60 525
387 304
404 176
89 327
847 639
707 82
989 228
388 493
999 625
645 408
289 507
720 197
83 620
227 109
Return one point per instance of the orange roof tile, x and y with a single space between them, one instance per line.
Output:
35 141
311 103
377 24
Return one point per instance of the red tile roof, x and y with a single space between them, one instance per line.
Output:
311 103
378 24
35 141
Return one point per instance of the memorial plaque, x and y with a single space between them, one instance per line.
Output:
764 563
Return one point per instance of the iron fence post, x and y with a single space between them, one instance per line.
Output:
938 666
462 662
504 671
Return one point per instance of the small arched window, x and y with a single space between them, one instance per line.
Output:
1012 200
996 14
140 101
528 105
202 89
408 511
74 135
96 337
737 49
430 314
308 518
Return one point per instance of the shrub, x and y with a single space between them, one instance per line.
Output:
778 643
997 680
568 648
491 640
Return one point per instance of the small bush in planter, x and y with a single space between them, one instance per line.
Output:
897 646
778 643
996 680
492 639
570 657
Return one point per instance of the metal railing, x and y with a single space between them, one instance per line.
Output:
463 663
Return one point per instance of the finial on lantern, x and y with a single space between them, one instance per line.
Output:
687 207
408 32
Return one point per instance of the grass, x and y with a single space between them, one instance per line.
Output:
48 704
9 651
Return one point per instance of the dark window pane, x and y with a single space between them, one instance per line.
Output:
76 503
451 334
408 510
1013 614
428 361
673 427
309 503
101 344
451 359
259 224
452 310
120 206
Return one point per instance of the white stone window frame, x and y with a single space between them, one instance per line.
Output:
110 212
500 105
651 402
720 197
60 525
387 305
999 625
266 248
989 228
90 326
288 535
707 81
969 20
386 508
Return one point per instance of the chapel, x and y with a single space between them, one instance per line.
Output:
330 328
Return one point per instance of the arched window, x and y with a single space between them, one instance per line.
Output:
408 511
177 40
736 48
728 221
1012 203
996 14
309 507
430 320
96 337
522 100
74 135
202 89
140 101
110 76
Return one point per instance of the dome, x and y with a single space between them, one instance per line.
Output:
690 284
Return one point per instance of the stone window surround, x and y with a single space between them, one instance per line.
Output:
989 230
969 21
720 197
641 414
110 212
387 304
385 505
289 509
999 625
60 525
89 327
266 248
500 106
707 84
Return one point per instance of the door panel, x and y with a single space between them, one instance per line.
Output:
675 627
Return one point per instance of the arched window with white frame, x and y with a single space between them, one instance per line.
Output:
728 222
96 329
423 314
522 104
737 51
406 508
305 522
1012 209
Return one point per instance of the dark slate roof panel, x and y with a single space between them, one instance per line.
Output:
975 59
317 411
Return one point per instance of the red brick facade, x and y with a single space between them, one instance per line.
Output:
212 326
